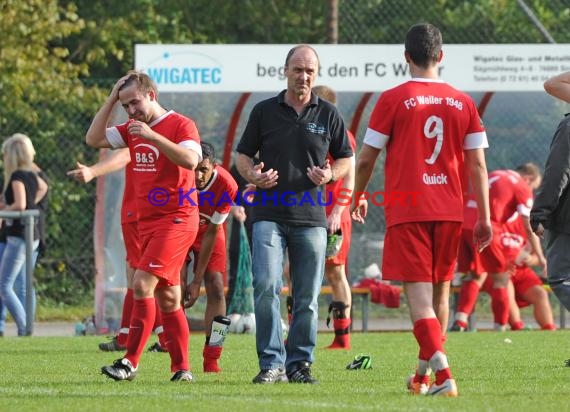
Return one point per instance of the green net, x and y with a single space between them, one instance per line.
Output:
242 298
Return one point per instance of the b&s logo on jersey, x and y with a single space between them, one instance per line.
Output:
512 240
146 156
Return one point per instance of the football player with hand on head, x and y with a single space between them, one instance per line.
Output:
164 148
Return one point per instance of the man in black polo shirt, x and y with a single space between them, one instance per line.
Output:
292 134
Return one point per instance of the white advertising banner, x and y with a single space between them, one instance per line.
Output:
354 68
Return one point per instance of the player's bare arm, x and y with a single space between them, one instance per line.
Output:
363 171
96 136
253 173
559 86
534 242
476 168
114 161
208 241
238 212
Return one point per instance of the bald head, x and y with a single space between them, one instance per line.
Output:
297 48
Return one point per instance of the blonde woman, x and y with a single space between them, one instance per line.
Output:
22 190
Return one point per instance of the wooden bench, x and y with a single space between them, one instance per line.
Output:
364 295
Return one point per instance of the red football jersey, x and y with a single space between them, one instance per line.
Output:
514 235
425 126
515 224
216 199
508 193
164 191
129 204
333 190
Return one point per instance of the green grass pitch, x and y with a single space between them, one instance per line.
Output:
63 374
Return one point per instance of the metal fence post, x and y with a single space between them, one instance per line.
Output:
28 217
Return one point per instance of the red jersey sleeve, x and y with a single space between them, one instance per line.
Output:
229 188
188 135
524 198
117 136
381 121
475 136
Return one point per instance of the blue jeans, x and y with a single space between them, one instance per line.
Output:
306 247
13 281
20 288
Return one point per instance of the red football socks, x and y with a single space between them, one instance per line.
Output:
468 297
126 318
140 329
519 325
177 333
158 328
500 305
211 355
428 335
342 334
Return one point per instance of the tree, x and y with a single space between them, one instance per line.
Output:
33 69
41 95
481 21
112 28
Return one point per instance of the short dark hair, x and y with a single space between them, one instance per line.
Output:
208 151
143 81
325 92
423 44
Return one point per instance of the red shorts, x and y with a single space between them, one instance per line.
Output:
218 258
499 256
132 242
524 279
468 260
163 252
421 251
342 256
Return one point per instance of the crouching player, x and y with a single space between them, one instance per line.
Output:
216 192
526 287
